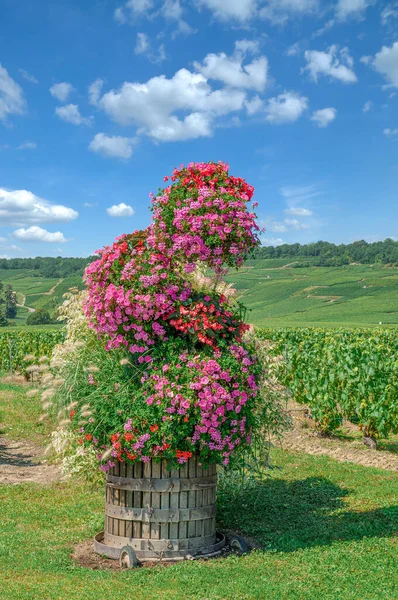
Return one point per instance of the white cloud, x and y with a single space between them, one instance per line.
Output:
28 76
12 101
390 132
389 12
143 46
333 63
299 212
37 234
173 11
120 210
298 194
226 10
27 146
94 91
90 204
274 226
247 47
142 43
71 114
61 91
295 224
20 207
294 49
285 108
272 241
170 10
113 146
254 105
280 11
231 71
352 8
385 62
324 116
150 106
367 106
133 9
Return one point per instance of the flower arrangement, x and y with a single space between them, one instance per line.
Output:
164 371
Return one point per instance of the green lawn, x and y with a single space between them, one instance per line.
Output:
328 531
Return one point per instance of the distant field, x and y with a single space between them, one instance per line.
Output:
351 296
277 294
37 292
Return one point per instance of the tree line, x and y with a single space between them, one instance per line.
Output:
321 254
59 266
328 254
8 304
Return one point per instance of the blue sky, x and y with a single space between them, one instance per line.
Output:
100 99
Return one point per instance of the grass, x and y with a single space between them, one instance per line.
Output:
327 531
350 296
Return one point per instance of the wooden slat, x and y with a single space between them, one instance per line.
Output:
174 504
146 501
192 497
155 501
129 500
183 527
137 500
159 515
171 484
165 502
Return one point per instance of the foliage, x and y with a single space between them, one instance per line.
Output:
342 374
48 266
8 304
328 254
41 316
15 345
171 376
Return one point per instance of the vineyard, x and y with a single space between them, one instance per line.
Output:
340 374
15 345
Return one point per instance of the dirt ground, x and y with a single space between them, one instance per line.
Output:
21 462
304 438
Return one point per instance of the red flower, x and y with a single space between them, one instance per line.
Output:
183 454
128 437
80 441
71 414
131 456
114 438
89 437
154 427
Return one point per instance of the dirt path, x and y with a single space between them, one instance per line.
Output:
303 438
30 309
49 293
23 463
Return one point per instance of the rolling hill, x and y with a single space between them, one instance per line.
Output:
276 292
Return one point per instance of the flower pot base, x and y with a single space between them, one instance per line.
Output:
159 550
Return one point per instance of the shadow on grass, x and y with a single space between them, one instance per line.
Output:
288 515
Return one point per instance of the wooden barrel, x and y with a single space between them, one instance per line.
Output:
161 514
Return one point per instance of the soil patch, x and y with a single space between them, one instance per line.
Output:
24 463
83 554
304 438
